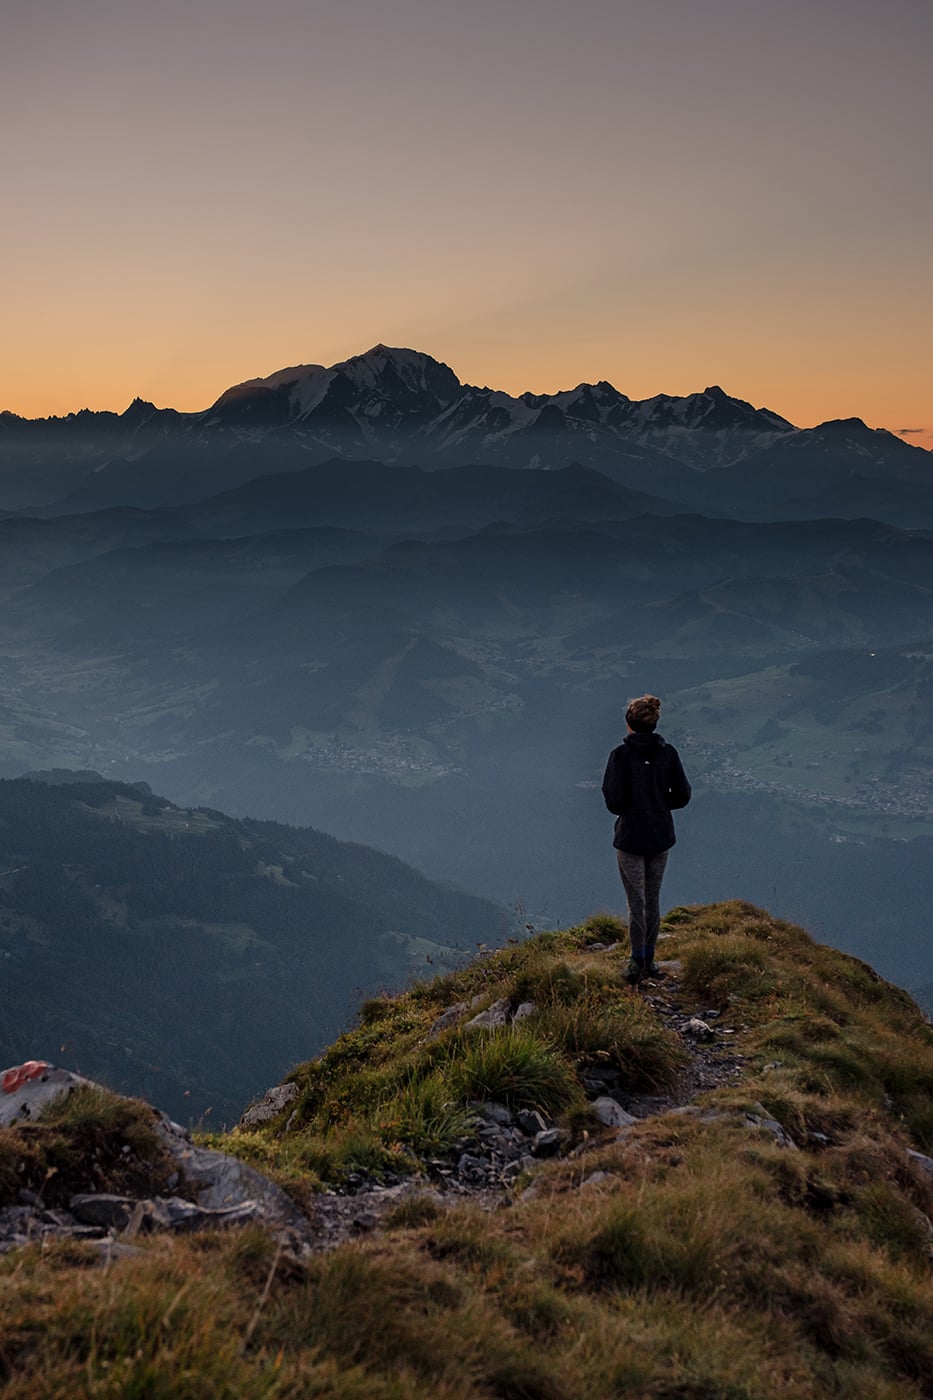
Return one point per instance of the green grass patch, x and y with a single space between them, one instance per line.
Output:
423 1114
515 1067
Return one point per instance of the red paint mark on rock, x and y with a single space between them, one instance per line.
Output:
15 1078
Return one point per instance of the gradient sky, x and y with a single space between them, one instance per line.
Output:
662 193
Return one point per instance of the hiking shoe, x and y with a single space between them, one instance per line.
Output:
652 970
633 971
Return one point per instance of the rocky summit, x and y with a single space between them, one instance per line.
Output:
523 1179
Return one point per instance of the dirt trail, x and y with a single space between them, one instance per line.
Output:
713 1062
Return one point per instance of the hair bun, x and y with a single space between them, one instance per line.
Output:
643 712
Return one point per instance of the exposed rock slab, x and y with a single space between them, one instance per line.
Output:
219 1182
273 1102
25 1090
448 1018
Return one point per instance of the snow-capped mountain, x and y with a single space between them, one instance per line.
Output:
404 404
403 407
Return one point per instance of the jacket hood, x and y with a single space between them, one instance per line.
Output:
644 741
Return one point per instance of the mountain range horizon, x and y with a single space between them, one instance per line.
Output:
297 378
705 452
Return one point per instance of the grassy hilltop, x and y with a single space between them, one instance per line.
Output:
766 1234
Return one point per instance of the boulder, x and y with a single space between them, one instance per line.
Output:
218 1182
109 1212
184 1217
492 1018
546 1144
492 1112
531 1121
448 1018
699 1030
123 1214
612 1114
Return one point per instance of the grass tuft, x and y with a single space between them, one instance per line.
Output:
622 1033
604 928
734 965
422 1114
515 1067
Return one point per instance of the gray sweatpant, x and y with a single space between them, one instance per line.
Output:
642 876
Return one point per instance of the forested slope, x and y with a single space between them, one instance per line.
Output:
188 957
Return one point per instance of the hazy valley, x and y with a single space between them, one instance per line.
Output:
407 612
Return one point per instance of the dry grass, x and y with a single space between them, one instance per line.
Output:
91 1140
694 1259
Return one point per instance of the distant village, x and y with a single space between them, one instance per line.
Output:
910 796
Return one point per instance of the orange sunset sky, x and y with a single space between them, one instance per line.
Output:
662 193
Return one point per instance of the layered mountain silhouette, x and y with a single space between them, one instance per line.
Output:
404 407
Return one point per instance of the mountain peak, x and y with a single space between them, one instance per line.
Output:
401 355
845 425
397 368
138 411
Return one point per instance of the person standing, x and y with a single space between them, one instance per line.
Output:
644 782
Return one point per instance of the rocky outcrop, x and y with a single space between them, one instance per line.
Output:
491 1018
207 1189
273 1102
494 1016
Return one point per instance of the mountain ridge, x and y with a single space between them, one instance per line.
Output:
150 939
524 1179
405 407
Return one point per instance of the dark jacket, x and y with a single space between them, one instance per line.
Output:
644 782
